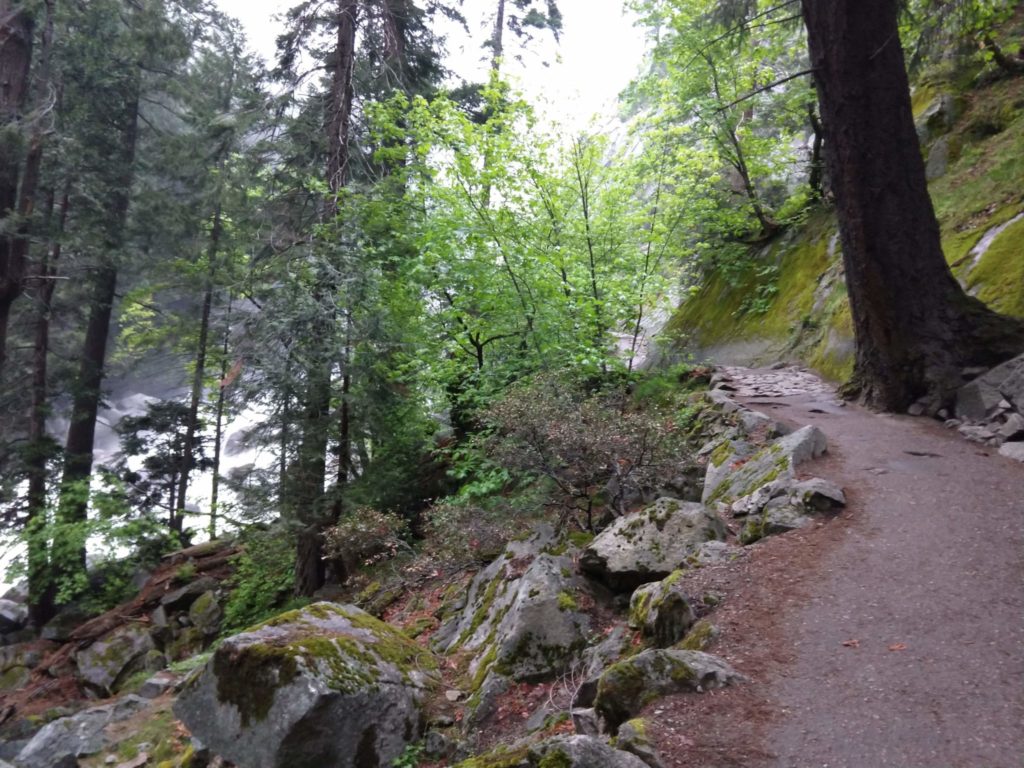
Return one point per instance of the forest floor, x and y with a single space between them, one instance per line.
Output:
890 636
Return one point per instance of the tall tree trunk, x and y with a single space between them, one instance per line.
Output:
78 450
218 430
16 24
915 327
41 447
498 37
192 425
308 475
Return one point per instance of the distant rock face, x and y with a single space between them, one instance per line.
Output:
110 660
626 687
328 685
728 479
649 545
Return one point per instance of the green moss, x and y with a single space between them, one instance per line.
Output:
699 637
249 677
419 626
502 757
999 276
486 601
556 758
720 454
672 578
621 692
484 666
753 530
580 539
566 602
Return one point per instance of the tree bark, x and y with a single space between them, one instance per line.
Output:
196 396
16 24
41 447
78 450
308 474
915 327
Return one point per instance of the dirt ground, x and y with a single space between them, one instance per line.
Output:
890 636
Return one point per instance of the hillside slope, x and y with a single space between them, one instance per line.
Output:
788 300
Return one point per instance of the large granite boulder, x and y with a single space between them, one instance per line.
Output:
729 478
13 615
75 736
649 545
522 618
980 398
662 611
328 686
628 686
581 752
632 738
109 661
786 507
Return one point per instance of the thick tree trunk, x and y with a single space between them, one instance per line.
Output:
915 327
16 25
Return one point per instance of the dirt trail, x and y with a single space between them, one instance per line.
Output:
898 640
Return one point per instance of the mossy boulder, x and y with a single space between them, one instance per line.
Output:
113 658
523 617
661 611
731 479
627 687
84 733
327 686
650 544
581 752
206 613
794 507
633 738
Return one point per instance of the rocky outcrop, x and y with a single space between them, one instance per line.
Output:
784 505
522 619
662 611
110 660
78 735
990 408
632 738
326 685
626 687
731 476
581 752
650 544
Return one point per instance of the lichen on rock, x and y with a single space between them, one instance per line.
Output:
325 685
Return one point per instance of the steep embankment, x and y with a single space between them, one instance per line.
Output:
788 300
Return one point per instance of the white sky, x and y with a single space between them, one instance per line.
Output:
600 51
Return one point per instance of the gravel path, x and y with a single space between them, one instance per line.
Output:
901 641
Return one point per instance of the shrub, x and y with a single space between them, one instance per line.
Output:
597 449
